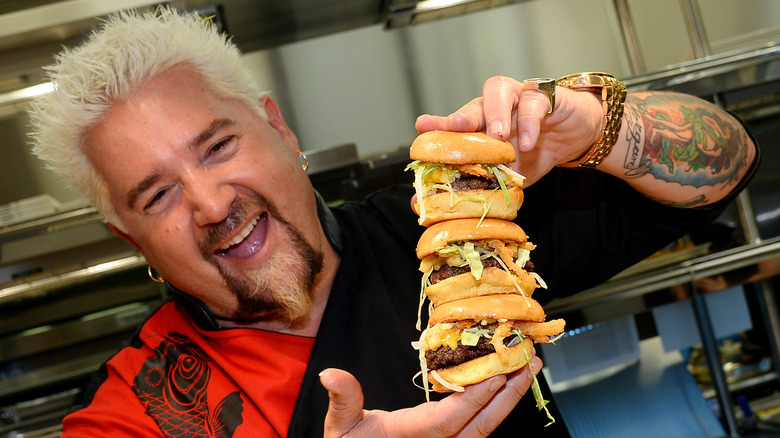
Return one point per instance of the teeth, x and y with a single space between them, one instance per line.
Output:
242 235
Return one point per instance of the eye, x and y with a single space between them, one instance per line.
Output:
158 196
221 146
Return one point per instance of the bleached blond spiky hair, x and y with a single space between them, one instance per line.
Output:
127 50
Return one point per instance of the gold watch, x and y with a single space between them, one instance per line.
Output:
613 97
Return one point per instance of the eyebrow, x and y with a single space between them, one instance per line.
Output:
202 137
132 196
209 132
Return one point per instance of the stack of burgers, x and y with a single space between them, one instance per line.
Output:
476 266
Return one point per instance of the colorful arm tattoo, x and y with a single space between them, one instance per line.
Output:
685 142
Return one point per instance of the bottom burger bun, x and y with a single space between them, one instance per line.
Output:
470 204
510 307
492 282
484 367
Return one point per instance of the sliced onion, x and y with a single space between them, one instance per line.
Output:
419 345
446 384
538 278
424 284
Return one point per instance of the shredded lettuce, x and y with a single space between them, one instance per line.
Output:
463 254
496 173
426 177
429 177
469 338
523 256
541 403
471 335
429 174
471 256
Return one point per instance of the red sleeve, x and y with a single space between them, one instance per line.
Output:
177 380
115 411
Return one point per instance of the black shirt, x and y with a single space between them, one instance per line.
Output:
587 226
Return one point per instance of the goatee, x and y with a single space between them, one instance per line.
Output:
280 289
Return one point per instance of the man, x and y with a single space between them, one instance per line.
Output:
155 120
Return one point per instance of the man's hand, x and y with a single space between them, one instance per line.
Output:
473 413
674 148
507 111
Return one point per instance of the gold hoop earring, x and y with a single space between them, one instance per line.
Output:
155 278
305 164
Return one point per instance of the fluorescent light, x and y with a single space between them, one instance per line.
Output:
403 13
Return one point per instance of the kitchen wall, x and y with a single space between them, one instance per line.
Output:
368 85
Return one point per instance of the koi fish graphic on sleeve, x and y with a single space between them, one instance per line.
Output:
173 387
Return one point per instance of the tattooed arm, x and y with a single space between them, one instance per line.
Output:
674 148
680 150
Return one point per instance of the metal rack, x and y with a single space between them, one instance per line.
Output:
721 79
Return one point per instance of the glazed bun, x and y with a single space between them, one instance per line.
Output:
438 206
440 234
494 281
461 148
484 367
503 306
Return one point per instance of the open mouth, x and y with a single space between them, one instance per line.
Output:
248 241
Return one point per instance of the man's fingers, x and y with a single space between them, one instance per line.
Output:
467 118
531 111
503 402
501 95
475 412
454 412
345 410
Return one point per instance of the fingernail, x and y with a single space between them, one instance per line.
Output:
525 140
497 128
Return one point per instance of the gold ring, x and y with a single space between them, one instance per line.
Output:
544 85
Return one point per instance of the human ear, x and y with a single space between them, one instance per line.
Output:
277 122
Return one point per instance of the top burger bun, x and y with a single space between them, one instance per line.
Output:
461 148
440 234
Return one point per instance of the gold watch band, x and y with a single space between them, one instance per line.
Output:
613 97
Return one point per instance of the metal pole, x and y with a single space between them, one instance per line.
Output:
629 37
764 292
710 347
747 217
695 26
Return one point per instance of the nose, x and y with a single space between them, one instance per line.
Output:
209 197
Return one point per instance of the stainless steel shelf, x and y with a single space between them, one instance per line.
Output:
49 224
665 277
67 277
714 74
